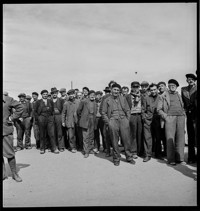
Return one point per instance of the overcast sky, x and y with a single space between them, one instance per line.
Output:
50 45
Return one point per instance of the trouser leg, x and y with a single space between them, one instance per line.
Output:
51 132
147 140
27 127
133 133
58 128
157 137
12 164
72 140
20 133
139 137
42 122
4 169
107 137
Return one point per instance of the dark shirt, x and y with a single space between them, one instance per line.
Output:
25 113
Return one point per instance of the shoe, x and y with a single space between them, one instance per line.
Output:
19 148
182 163
108 154
86 155
96 151
28 147
42 151
56 151
62 150
116 163
132 162
172 163
91 152
146 159
74 151
16 177
135 156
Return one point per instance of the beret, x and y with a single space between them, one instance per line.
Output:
86 88
98 93
22 95
161 82
62 90
144 83
34 93
107 89
91 91
173 81
28 97
190 75
116 85
135 83
71 91
43 91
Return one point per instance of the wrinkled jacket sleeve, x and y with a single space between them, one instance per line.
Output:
160 107
104 112
18 109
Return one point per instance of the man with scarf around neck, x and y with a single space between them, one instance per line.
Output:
134 100
171 109
116 115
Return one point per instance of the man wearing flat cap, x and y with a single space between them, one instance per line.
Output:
189 94
116 116
171 109
144 88
44 110
134 100
86 112
23 124
63 93
69 119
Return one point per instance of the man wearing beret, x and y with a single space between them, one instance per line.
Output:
134 100
86 112
44 110
69 119
23 124
58 107
8 150
188 94
171 109
116 116
35 123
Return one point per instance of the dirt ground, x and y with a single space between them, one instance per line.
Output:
68 179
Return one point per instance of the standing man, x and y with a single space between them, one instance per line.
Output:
44 110
134 100
151 118
87 111
8 150
69 119
171 109
144 88
116 115
58 107
35 123
188 94
23 124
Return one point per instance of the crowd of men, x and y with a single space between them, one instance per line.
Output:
147 121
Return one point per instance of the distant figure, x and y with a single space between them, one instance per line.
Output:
8 149
144 88
125 90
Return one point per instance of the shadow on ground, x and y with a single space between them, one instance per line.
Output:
19 166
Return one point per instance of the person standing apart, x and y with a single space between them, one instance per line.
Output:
171 109
8 149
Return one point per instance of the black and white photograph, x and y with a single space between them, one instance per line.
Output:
99 104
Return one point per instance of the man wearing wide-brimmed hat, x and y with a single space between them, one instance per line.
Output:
189 94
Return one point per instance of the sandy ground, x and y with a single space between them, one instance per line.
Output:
68 179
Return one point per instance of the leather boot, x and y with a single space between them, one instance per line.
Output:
12 164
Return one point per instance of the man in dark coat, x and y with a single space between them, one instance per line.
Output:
188 94
8 150
116 115
44 109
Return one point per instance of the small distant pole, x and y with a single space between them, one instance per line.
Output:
71 84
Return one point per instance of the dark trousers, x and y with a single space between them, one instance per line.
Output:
58 131
147 139
36 133
23 127
46 127
137 146
120 128
88 136
72 137
107 138
79 138
163 139
99 122
65 136
191 136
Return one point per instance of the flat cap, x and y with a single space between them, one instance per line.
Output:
173 81
190 75
28 97
62 90
43 91
144 83
91 91
99 93
107 89
116 85
71 91
161 82
135 83
22 95
34 93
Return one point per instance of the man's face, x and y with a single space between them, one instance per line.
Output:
21 99
45 95
55 95
125 91
161 88
35 97
85 92
191 81
79 95
172 87
115 91
71 96
144 87
98 97
92 96
63 94
135 89
154 91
